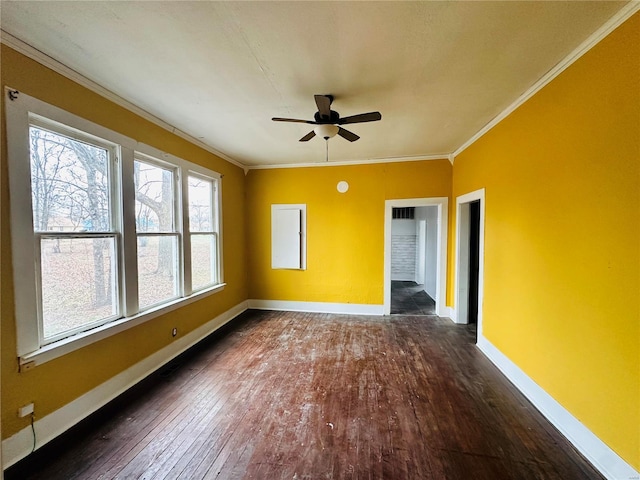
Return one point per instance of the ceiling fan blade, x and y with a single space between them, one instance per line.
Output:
361 118
294 120
352 137
308 136
324 105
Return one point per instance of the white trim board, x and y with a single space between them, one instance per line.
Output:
317 307
614 22
462 257
441 268
450 313
60 68
603 458
618 19
49 427
341 163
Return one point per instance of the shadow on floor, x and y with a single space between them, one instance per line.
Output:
409 298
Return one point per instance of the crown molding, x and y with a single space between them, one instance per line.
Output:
413 158
58 67
614 22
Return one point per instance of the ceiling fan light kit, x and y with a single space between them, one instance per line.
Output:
326 131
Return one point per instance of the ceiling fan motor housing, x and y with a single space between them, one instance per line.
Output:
333 118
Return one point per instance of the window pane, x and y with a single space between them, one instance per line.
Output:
200 205
78 283
69 184
154 198
157 280
203 258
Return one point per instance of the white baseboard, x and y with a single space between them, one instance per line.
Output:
450 313
609 463
319 307
406 278
18 446
47 428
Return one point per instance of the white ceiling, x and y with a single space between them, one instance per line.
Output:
437 71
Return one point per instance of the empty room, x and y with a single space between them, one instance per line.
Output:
320 240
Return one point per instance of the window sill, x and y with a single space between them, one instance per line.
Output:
80 340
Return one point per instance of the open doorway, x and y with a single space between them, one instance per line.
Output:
413 260
469 259
410 298
419 285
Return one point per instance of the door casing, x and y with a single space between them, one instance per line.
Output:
461 291
441 265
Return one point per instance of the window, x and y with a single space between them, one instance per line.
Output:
407 213
157 234
74 229
106 232
203 231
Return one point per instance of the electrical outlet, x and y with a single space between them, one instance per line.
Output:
25 410
174 332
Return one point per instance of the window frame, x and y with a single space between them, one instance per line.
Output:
215 227
176 231
113 152
20 109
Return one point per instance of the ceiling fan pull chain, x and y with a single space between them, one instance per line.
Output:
326 142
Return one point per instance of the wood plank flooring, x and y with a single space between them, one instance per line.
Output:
318 396
409 298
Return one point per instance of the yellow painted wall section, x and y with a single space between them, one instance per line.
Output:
56 383
562 237
345 232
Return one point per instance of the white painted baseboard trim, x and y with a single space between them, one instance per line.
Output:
403 278
319 307
609 463
451 313
47 428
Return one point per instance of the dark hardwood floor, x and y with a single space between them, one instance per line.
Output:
409 298
317 396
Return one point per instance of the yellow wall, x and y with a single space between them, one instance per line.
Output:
562 262
345 232
60 381
562 241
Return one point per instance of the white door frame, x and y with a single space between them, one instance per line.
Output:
461 297
441 265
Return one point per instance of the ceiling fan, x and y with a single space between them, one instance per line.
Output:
328 121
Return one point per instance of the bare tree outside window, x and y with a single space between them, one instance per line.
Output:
157 236
70 187
79 192
202 218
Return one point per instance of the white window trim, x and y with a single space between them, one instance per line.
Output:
18 109
176 232
215 231
114 232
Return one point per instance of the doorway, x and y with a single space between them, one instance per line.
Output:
474 259
410 298
469 259
413 260
428 267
